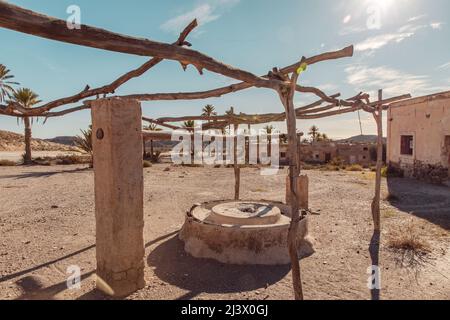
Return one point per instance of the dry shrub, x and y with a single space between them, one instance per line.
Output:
355 168
410 247
338 162
308 166
7 163
147 164
329 167
63 160
392 172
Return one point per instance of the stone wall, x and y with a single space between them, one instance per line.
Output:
432 173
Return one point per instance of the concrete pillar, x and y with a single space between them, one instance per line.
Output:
117 143
303 189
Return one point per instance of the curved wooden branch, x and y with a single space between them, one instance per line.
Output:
110 88
26 21
216 93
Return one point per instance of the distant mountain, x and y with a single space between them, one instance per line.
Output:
65 140
362 139
10 141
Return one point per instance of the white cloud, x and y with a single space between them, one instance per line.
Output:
445 66
392 81
380 41
347 19
436 25
204 13
377 42
412 19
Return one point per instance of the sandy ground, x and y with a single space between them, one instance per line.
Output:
47 225
17 155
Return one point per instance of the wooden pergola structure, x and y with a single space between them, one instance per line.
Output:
120 272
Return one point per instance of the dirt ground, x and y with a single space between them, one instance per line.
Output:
47 225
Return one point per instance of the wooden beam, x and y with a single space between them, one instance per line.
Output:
26 21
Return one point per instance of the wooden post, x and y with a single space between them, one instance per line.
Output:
247 150
27 158
287 98
237 168
378 115
143 148
303 191
117 143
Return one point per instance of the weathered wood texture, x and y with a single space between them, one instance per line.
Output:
378 115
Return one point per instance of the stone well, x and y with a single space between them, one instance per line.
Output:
243 232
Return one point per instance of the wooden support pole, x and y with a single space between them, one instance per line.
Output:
378 115
28 159
287 99
303 191
237 168
119 186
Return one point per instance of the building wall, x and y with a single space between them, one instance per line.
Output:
427 119
323 152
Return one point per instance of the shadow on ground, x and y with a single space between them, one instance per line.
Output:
45 174
426 201
175 266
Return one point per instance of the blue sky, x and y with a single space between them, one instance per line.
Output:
401 46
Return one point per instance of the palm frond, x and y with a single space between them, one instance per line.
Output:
84 142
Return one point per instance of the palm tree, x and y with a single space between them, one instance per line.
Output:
84 142
230 113
6 89
151 127
209 110
189 125
314 132
26 98
269 130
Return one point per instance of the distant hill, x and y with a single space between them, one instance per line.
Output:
362 139
65 140
10 141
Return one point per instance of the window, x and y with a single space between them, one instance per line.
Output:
407 145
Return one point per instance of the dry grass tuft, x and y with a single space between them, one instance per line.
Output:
389 213
411 249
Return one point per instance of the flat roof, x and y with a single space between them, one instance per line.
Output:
416 100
